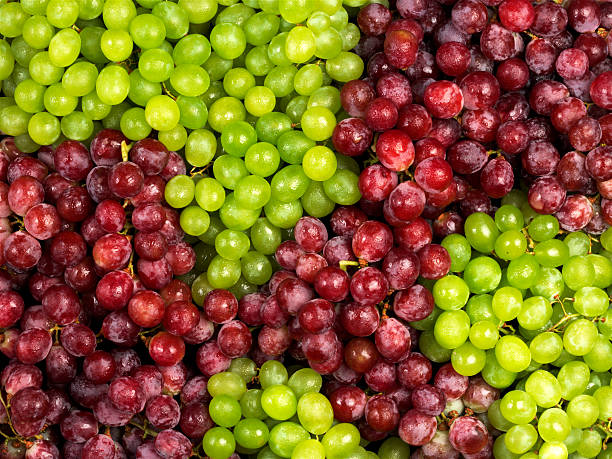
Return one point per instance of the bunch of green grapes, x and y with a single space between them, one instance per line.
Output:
528 307
69 68
280 415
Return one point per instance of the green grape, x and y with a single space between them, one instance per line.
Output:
199 11
235 217
257 61
148 31
300 45
467 359
428 322
7 60
512 353
204 254
265 237
509 217
591 301
482 274
340 440
452 329
279 402
296 108
134 124
43 71
326 96
535 313
590 443
272 373
494 374
237 82
308 79
175 18
574 378
603 395
393 448
578 243
162 113
236 14
223 273
604 325
22 52
283 214
573 440
507 303
521 438
431 349
80 79
603 270
543 388
37 32
350 36
548 283
251 433
250 404
179 191
280 80
450 292
606 239
190 80
199 151
256 268
554 425
113 85
260 28
219 443
194 220
481 232
117 14
583 411
155 65
58 102
315 202
225 410
14 121
76 126
318 123
543 228
479 307
193 110
315 413
271 126
289 183
318 21
599 357
141 89
523 271
551 253
459 250
33 6
308 449
554 450
344 67
228 40
343 187
496 417
546 347
259 100
173 139
217 67
262 159
231 244
229 171
191 49
579 337
510 245
116 44
305 381
518 407
25 144
329 46
284 437
328 6
242 287
578 272
61 13
237 137
44 128
226 383
319 163
225 111
252 192
29 96
200 288
276 50
266 453
295 12
484 334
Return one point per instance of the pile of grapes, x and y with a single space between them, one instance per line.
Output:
305 229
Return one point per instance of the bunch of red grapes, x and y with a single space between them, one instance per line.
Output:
90 275
466 107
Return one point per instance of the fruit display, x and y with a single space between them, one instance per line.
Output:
305 229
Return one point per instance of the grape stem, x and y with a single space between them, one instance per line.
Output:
144 428
344 264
